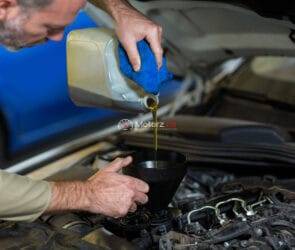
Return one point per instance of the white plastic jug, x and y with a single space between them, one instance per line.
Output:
94 77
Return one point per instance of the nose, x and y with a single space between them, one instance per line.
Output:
56 36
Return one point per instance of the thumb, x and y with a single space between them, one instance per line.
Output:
118 164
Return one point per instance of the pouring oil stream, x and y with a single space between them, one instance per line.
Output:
152 105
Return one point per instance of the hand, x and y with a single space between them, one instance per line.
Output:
107 192
132 27
113 194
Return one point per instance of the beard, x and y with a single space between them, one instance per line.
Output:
13 35
12 32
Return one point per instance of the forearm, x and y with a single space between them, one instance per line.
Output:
68 196
114 8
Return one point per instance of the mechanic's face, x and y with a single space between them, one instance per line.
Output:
23 27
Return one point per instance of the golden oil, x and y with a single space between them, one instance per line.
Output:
155 126
153 106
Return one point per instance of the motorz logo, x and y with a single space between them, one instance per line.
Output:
127 125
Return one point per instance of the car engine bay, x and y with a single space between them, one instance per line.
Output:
211 210
216 206
238 191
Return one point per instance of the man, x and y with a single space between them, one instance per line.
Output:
25 23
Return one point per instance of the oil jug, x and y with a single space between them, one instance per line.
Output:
94 76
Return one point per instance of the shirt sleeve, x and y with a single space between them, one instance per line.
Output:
21 198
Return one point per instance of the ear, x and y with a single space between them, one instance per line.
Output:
5 7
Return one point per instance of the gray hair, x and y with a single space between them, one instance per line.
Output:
34 3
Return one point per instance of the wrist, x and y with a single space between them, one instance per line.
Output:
115 8
119 9
92 200
67 196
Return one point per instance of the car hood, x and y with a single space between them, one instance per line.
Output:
199 34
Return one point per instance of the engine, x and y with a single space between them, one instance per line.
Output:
233 214
212 209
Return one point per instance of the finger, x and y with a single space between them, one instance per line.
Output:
118 164
133 208
155 39
131 49
140 197
138 184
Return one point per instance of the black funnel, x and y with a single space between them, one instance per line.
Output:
163 175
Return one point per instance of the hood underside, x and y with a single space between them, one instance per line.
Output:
200 34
